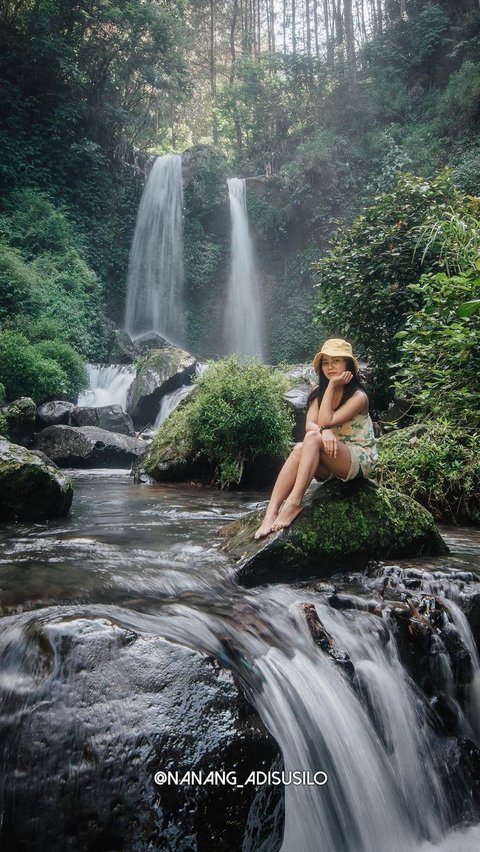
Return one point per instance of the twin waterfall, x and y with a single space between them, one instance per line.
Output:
244 314
155 300
155 284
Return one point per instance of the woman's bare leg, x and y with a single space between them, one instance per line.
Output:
284 484
313 456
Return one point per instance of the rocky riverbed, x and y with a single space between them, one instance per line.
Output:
127 648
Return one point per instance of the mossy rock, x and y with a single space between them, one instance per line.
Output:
342 525
31 488
159 372
20 420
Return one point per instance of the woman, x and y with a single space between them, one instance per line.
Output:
339 439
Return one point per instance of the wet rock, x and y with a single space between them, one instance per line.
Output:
325 641
88 446
102 710
296 399
122 349
158 373
110 417
20 417
471 606
341 524
53 414
30 488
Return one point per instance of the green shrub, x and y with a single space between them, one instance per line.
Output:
363 290
439 364
2 393
25 371
436 464
17 284
236 416
3 426
34 225
70 362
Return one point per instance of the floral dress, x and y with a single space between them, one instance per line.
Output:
359 437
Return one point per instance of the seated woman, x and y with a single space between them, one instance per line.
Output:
339 440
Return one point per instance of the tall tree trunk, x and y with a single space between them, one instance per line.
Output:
327 24
294 35
284 26
380 15
315 27
349 41
269 28
403 9
213 72
309 32
272 21
259 29
233 24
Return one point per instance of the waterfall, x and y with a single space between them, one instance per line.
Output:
169 403
155 270
109 384
244 326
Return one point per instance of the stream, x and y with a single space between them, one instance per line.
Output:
122 627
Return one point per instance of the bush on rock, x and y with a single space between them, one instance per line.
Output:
236 416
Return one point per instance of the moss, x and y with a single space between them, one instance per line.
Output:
341 525
30 488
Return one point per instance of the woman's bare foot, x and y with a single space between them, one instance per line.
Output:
265 527
289 512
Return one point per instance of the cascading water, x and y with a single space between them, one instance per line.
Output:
169 403
155 270
244 325
108 385
89 686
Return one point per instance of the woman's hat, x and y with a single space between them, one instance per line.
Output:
335 348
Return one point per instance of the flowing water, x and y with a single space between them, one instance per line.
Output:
143 561
155 299
244 324
169 403
108 385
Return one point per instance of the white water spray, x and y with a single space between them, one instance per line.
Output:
109 384
169 403
155 270
244 326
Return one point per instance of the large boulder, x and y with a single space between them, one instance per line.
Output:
110 417
88 446
342 525
20 417
31 488
158 373
99 710
53 413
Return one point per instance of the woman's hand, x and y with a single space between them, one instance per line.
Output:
330 443
342 379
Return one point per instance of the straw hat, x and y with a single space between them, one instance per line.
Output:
335 348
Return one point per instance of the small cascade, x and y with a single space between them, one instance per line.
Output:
169 403
155 271
109 384
244 325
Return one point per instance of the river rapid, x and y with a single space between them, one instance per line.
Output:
133 583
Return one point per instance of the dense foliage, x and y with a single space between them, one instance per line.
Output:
440 351
237 415
437 464
364 282
42 371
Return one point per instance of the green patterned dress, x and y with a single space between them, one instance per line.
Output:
359 437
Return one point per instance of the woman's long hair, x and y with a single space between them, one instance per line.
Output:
348 390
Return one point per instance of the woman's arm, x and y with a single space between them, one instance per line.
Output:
311 422
357 404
